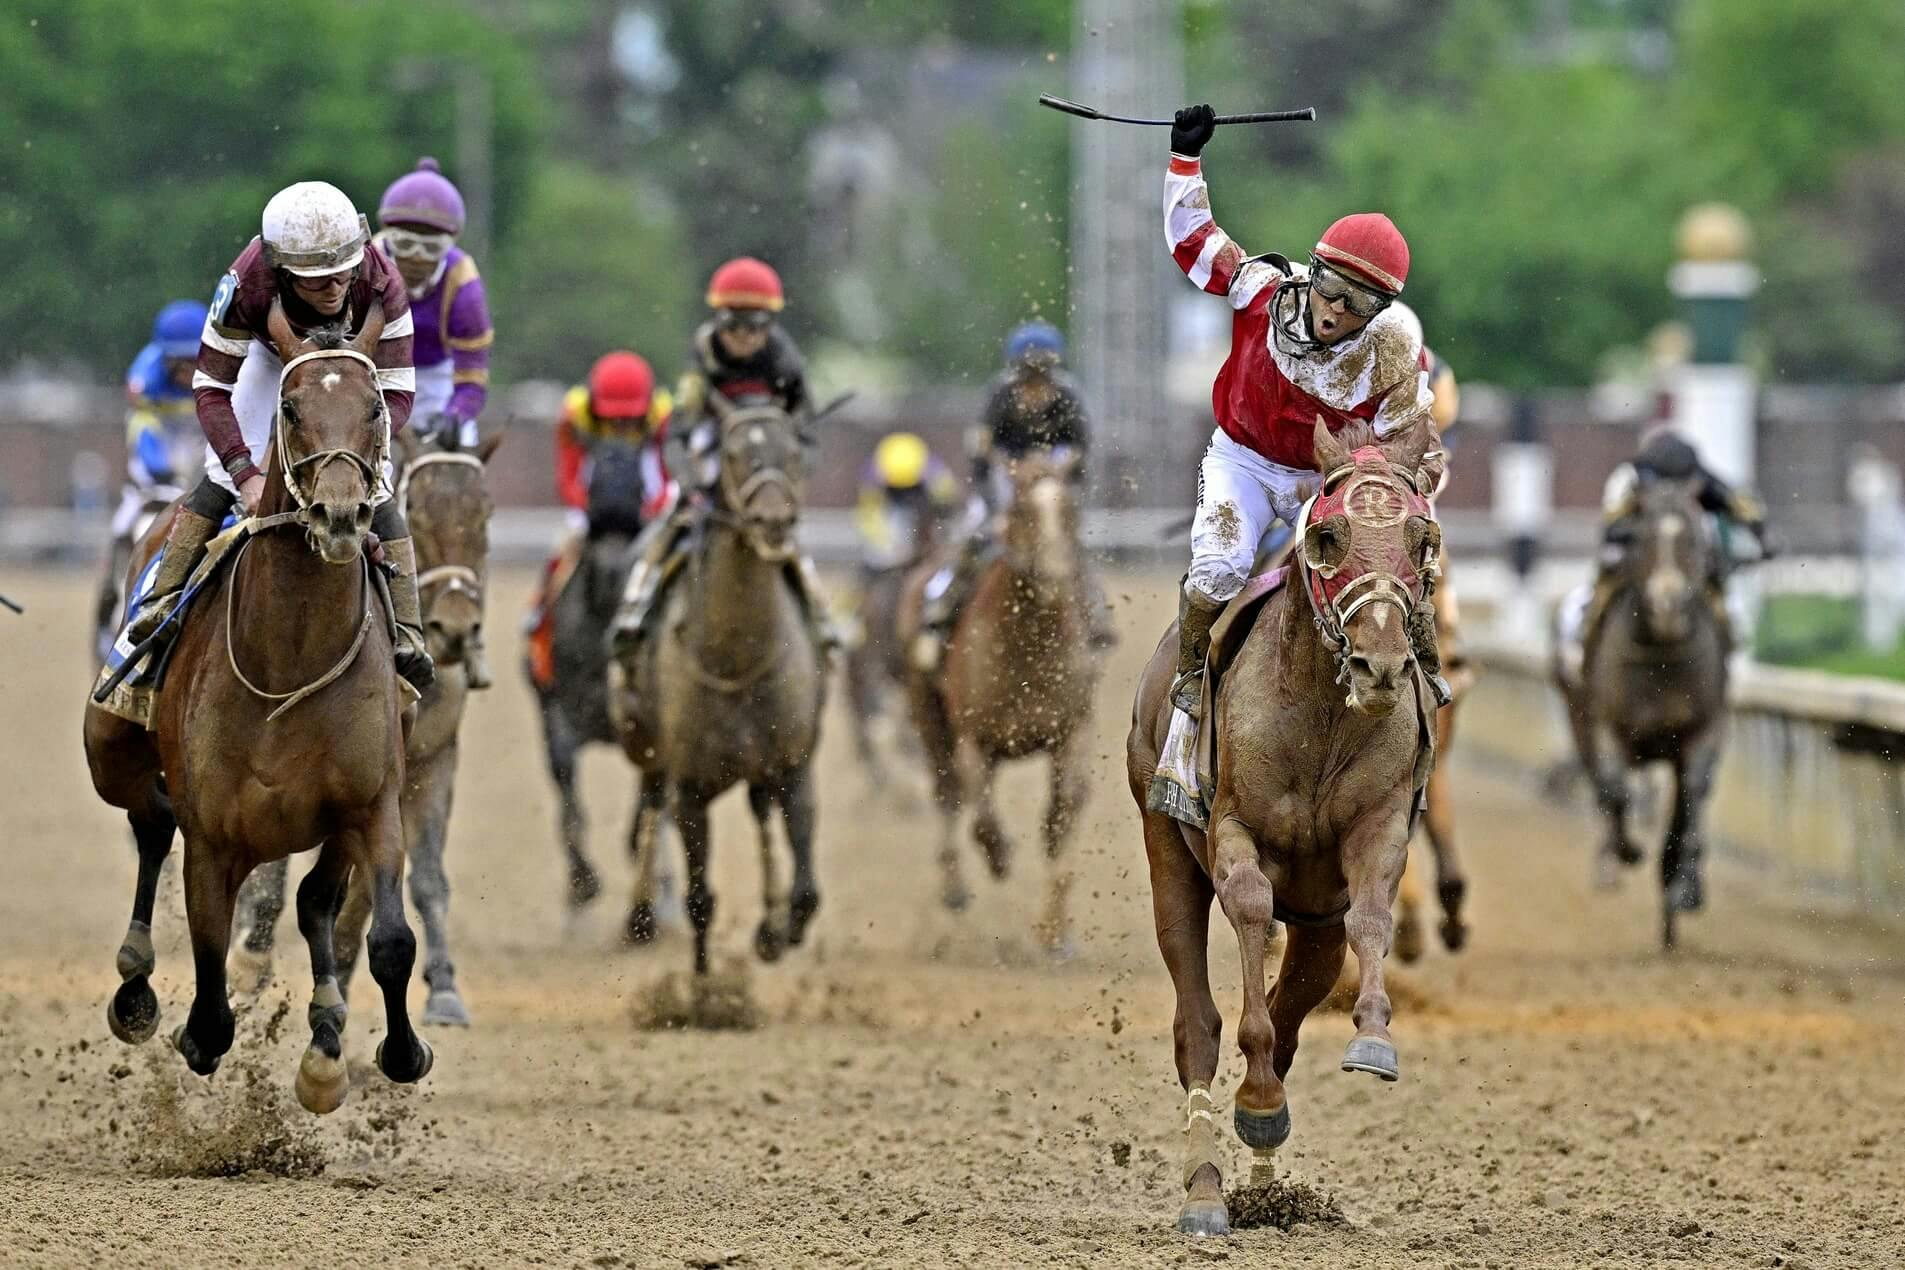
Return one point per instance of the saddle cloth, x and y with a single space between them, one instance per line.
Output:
132 699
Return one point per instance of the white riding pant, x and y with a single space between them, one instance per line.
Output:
255 402
435 385
1240 496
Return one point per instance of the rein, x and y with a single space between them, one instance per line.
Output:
372 468
286 700
732 510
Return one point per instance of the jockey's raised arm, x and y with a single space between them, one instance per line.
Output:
1209 257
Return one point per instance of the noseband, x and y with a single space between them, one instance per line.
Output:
451 577
1376 498
736 494
372 468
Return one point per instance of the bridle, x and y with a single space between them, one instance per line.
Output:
1376 498
372 468
452 578
737 493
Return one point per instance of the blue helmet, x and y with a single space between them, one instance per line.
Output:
1034 337
177 328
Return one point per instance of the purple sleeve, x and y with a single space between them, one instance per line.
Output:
468 336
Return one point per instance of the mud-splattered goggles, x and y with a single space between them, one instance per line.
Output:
744 319
1364 302
403 242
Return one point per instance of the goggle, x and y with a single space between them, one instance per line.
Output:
1364 302
744 319
418 246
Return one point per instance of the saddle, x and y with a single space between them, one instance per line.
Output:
129 682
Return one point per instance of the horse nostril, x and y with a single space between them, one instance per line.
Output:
1358 664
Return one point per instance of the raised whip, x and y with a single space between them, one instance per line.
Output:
1305 115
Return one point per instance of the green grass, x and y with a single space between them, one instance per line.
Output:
1821 633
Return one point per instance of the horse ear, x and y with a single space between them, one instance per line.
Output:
1326 544
278 327
1330 453
1423 538
373 330
487 447
1405 449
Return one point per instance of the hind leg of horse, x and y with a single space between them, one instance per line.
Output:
260 905
1061 815
210 892
349 928
323 1083
798 810
977 773
942 760
1451 879
1681 858
1611 795
644 841
563 743
376 846
691 820
133 1012
426 825
1262 1117
1409 915
770 937
1374 852
863 699
1312 961
1180 909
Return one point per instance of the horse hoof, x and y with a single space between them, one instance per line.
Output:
133 1012
445 1008
639 929
1686 894
996 846
583 886
1262 1131
1454 934
1204 1218
425 1060
1374 1055
768 943
800 914
1409 940
323 1082
1628 854
955 897
188 1049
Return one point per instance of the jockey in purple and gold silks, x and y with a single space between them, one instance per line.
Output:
419 218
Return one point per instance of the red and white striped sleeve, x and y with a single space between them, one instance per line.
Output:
1207 255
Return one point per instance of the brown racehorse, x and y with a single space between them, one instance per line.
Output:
1016 679
1322 743
728 686
280 733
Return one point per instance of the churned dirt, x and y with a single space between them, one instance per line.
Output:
916 1089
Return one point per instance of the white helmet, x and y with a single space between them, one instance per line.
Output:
312 229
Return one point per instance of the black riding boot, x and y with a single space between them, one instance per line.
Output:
1196 613
413 657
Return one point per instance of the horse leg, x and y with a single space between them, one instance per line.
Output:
770 936
1180 909
977 770
1312 962
426 826
1451 879
133 1012
1061 813
563 743
1681 880
691 820
942 759
1374 852
644 840
323 1083
210 891
1409 915
1262 1116
800 813
863 696
1610 792
261 900
348 930
376 846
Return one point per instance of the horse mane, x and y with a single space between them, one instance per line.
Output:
334 336
1357 434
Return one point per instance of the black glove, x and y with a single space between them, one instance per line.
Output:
1191 130
441 427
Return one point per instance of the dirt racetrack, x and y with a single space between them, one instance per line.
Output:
927 1090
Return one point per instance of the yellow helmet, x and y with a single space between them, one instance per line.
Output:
900 459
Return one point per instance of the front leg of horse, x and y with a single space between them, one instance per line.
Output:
1374 853
1262 1113
376 846
800 813
323 1083
644 843
770 937
260 905
691 819
1061 816
1682 872
133 1012
978 771
210 892
430 896
560 737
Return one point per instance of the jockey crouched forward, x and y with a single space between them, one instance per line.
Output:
419 219
314 255
742 353
908 495
619 404
1032 406
1329 341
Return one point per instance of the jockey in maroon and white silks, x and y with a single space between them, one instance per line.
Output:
1329 340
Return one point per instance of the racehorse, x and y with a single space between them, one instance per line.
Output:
1322 740
572 685
877 659
1653 688
282 733
1016 679
728 686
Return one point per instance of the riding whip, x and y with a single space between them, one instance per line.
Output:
5 602
1305 115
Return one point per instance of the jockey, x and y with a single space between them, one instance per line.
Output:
743 353
419 218
1328 340
314 255
619 403
162 436
905 491
1032 405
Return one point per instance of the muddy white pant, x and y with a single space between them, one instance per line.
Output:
255 402
1240 497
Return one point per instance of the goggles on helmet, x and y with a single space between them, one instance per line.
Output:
404 242
744 319
1364 302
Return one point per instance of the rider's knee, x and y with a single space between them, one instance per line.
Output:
1216 578
209 499
388 521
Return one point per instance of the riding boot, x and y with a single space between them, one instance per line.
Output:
1428 653
184 545
1196 612
643 588
413 658
813 602
941 609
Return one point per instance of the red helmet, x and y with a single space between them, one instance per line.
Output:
1369 245
620 387
745 283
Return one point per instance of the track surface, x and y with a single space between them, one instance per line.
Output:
928 1090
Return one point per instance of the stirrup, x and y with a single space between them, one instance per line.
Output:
151 616
1187 693
1440 687
414 662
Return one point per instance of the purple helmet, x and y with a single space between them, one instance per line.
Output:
423 197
